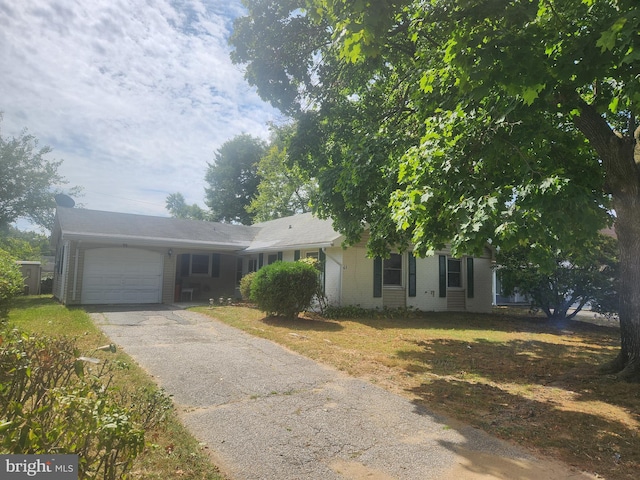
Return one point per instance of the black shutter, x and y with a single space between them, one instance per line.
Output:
412 275
215 265
296 255
280 256
442 276
377 277
470 277
260 260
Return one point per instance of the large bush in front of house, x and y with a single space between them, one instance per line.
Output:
284 288
11 283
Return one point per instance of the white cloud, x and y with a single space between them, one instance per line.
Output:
134 95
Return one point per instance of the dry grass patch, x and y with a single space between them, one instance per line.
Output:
516 377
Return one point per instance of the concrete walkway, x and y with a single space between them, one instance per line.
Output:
268 413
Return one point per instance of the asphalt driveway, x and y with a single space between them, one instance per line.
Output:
268 413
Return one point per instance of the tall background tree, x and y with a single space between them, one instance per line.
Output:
24 245
233 179
469 121
284 189
178 208
28 181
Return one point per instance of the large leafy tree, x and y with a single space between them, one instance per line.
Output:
284 189
474 120
24 245
28 180
233 179
179 208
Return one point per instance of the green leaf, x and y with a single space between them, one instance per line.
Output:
613 105
607 40
531 93
78 367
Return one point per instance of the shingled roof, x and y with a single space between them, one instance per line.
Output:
298 231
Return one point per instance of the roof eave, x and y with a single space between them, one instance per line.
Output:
279 248
151 241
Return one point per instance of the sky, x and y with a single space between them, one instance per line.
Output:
135 96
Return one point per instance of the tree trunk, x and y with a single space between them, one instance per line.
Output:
627 363
620 157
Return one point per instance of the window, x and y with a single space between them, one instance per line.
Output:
392 270
272 258
200 264
253 265
454 272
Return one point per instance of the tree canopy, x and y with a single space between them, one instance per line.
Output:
284 189
462 122
178 208
28 180
233 180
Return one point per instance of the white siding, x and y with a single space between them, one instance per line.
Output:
357 279
483 274
333 275
427 286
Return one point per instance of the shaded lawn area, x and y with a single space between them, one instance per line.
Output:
516 377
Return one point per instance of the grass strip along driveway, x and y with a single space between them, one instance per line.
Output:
170 452
516 377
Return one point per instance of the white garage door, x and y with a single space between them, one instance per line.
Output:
121 275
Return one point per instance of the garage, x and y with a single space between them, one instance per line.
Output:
121 275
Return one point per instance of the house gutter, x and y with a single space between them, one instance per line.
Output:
75 273
135 240
279 248
66 246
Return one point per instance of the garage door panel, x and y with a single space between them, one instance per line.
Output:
122 275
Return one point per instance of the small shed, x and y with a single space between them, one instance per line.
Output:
32 273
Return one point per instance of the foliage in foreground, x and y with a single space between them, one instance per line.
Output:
54 401
11 283
285 288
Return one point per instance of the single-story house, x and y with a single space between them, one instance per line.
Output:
118 258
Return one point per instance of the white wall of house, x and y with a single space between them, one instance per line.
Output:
357 279
482 300
333 269
427 288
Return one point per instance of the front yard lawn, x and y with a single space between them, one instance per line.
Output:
516 377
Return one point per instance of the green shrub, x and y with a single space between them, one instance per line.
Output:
54 401
284 288
245 286
11 283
